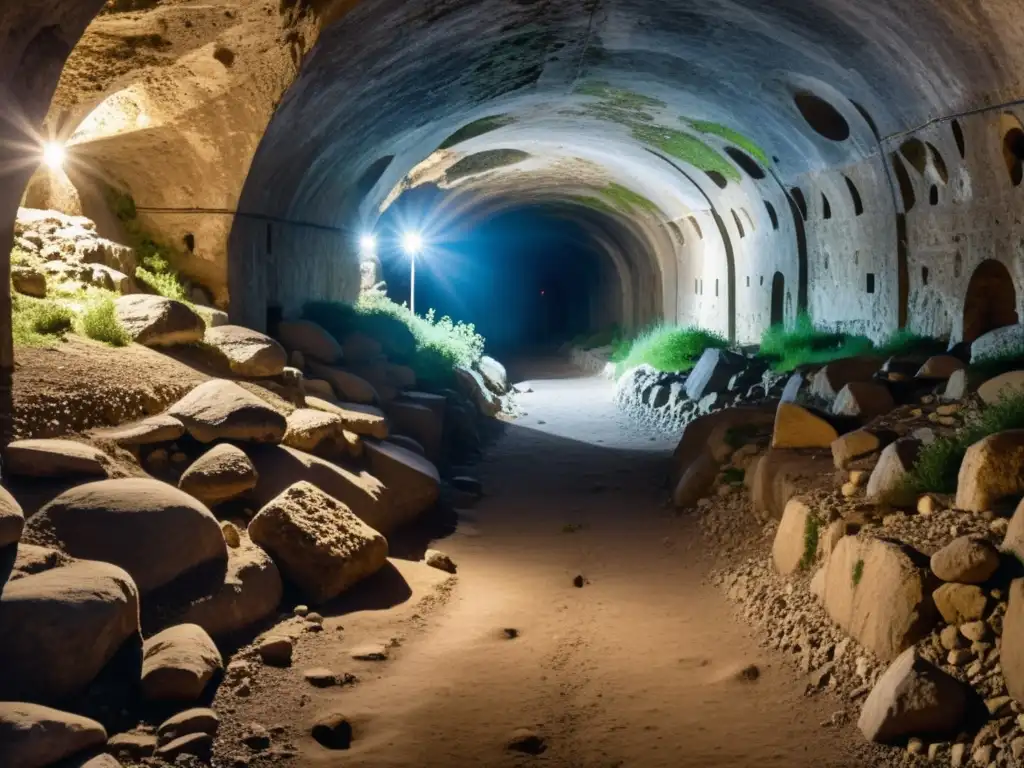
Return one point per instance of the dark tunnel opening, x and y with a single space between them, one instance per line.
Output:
527 275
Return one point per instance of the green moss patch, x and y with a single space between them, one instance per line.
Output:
858 573
628 200
477 128
669 348
481 162
812 532
687 148
730 135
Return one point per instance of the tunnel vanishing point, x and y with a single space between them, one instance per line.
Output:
736 161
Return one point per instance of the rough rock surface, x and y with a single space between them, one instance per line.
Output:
1012 657
796 540
280 467
222 473
712 372
997 343
34 736
155 321
967 559
412 482
471 384
831 378
312 340
161 428
317 542
878 592
995 389
152 530
178 663
1013 539
886 483
55 458
420 423
913 698
797 427
494 374
249 353
308 428
93 601
250 592
12 519
222 410
857 444
960 603
361 419
992 469
347 385
864 400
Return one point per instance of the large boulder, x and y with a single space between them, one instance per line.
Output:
12 519
1013 540
887 484
1004 385
913 698
992 469
966 559
222 473
696 481
152 530
864 400
159 322
178 663
348 385
717 432
420 423
362 419
161 428
828 381
1000 342
318 543
222 410
357 347
495 376
312 340
55 458
712 372
412 482
34 736
796 541
797 427
854 445
960 603
280 467
781 474
879 592
309 428
250 592
248 352
62 626
472 386
1012 653
28 281
940 367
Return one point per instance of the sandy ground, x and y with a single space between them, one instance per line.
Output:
641 666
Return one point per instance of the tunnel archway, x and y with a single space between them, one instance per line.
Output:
991 300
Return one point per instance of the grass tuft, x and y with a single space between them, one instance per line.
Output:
38 322
733 137
99 321
668 348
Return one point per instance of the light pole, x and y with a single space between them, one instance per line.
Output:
412 244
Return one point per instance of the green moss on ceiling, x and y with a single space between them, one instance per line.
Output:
733 137
626 199
477 128
595 203
618 98
687 148
484 161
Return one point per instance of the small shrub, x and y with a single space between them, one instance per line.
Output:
812 531
858 572
938 463
36 322
99 321
905 342
670 348
166 283
19 256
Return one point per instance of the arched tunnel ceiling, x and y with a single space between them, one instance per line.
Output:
575 77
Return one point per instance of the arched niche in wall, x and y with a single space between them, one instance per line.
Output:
1013 147
778 315
746 162
991 300
822 116
772 215
858 203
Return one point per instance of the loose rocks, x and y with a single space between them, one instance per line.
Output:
967 559
55 458
222 410
221 473
178 663
248 353
159 322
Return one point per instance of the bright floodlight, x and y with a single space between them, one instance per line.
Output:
54 155
368 244
412 243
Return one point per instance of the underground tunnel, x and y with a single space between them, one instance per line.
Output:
496 382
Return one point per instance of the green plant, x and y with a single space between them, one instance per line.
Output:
905 342
36 322
99 321
687 148
19 256
812 531
734 137
670 348
938 464
733 475
482 162
432 347
167 283
858 572
477 128
626 199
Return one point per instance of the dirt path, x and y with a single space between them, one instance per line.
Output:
639 667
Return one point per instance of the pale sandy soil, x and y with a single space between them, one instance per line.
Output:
639 667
